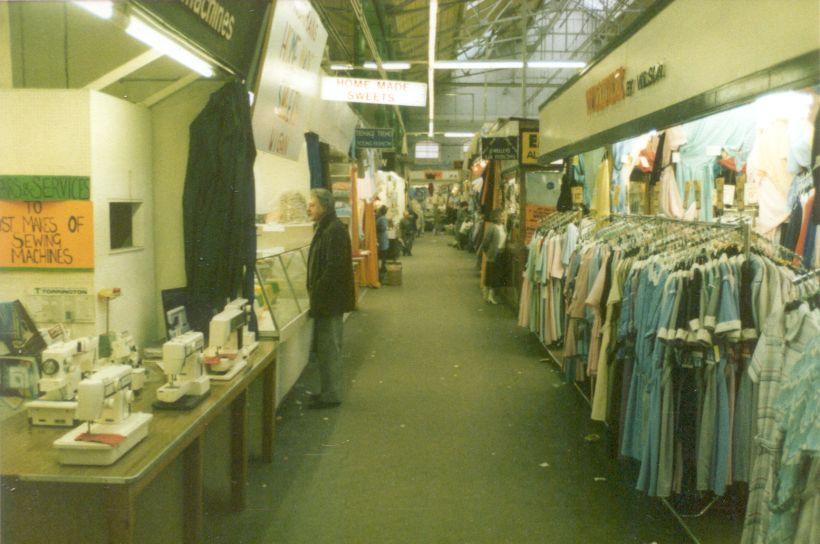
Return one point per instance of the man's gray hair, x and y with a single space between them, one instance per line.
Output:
324 198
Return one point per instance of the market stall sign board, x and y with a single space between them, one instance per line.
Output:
500 148
607 92
529 147
533 215
228 30
51 235
44 188
374 138
374 91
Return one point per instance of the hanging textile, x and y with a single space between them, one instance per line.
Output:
371 262
600 205
218 205
567 181
314 156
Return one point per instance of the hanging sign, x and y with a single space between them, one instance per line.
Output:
374 138
44 188
500 148
529 147
289 85
228 30
47 235
374 91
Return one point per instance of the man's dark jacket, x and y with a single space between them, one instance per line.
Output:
330 269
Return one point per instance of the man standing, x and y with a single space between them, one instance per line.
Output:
330 287
383 238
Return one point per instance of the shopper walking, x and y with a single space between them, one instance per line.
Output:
492 247
330 287
383 238
407 228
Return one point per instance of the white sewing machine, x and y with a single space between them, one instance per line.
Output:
110 429
60 375
182 361
124 352
228 349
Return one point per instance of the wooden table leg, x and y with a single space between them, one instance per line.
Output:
120 514
268 411
193 497
239 451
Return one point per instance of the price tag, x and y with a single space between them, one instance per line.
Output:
577 195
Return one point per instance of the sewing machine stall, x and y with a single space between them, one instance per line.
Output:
188 382
121 349
111 429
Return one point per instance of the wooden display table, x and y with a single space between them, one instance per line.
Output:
27 456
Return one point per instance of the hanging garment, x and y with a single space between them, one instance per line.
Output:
565 197
218 205
371 262
601 205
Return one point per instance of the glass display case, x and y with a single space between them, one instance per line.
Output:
280 290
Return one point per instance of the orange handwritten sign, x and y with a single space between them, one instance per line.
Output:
533 215
606 92
47 235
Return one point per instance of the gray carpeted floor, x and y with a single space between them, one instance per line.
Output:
452 431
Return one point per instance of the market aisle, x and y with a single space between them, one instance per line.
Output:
448 423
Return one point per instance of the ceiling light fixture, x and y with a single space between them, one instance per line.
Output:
341 67
390 66
431 60
470 64
102 9
165 45
458 134
555 64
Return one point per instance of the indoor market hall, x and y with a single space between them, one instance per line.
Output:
409 271
434 440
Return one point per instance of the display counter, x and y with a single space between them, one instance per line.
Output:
30 473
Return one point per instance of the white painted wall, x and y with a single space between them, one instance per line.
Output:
121 171
275 175
83 133
690 38
45 132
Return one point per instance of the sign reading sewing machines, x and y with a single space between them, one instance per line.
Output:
51 235
374 91
374 138
289 86
228 30
500 148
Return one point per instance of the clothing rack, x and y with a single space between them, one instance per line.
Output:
747 239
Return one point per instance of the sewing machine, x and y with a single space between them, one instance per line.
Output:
111 429
227 351
188 382
123 351
60 372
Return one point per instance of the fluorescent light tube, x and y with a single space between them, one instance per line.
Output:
341 66
102 9
166 46
390 66
470 64
458 134
430 129
431 59
556 64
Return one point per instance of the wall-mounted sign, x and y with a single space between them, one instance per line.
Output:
374 138
374 91
646 79
45 188
606 92
529 147
228 30
289 85
47 235
500 148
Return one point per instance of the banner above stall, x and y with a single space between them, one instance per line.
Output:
500 148
374 91
230 31
289 86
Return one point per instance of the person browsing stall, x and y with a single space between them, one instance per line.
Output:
330 288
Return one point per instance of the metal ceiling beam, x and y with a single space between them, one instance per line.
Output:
165 92
357 9
493 85
123 70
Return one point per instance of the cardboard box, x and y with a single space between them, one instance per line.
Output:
393 276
